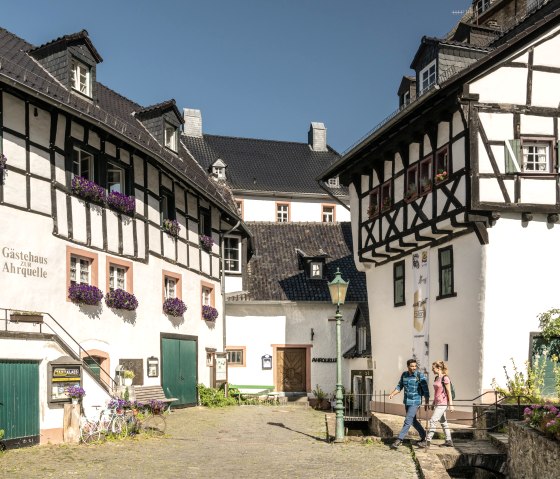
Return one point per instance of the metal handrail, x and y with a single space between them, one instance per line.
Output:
81 354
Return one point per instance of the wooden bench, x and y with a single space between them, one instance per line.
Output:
145 394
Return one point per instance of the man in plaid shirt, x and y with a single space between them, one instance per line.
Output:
415 387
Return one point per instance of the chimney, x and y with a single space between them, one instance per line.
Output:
317 137
193 122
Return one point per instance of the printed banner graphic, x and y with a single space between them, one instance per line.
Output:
421 317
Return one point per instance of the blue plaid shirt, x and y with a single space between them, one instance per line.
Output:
415 387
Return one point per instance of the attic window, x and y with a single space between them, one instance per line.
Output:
170 136
219 172
427 77
481 6
81 78
316 270
333 182
405 98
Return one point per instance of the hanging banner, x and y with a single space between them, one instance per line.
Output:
421 317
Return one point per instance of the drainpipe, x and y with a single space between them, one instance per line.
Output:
320 183
223 281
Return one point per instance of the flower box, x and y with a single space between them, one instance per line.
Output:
123 203
171 227
441 176
26 317
209 313
120 299
85 294
207 242
88 190
174 307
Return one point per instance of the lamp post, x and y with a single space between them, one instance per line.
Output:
338 288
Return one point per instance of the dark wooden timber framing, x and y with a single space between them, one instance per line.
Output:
53 150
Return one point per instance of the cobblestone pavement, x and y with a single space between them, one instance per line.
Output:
244 442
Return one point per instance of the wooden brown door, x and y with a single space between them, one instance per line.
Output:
290 364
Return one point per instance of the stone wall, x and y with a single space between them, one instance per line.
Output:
487 419
531 454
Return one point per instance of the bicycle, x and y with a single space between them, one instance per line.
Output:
109 422
153 423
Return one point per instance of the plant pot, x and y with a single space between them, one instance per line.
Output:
75 401
128 381
26 318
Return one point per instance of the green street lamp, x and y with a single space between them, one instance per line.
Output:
338 288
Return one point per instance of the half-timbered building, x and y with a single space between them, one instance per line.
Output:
111 241
455 198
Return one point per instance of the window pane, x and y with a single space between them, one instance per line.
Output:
446 281
445 258
231 254
115 178
170 288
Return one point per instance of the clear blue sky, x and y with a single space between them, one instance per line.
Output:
256 68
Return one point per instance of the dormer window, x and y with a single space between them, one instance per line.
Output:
219 169
428 77
333 182
316 270
406 98
481 6
170 133
81 78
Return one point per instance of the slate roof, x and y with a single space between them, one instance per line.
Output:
81 35
273 274
265 165
110 110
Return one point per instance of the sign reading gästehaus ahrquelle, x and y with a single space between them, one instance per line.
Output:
23 263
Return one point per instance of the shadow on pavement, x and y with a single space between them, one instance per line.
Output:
282 425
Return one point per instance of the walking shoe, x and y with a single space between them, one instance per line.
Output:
422 444
447 444
396 444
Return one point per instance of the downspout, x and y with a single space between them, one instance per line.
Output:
223 281
320 183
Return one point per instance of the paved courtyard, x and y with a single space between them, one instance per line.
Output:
245 442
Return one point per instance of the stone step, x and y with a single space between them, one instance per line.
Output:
500 440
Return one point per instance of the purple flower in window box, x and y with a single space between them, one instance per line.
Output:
207 242
174 307
75 392
171 227
3 161
209 313
85 294
121 299
123 203
88 190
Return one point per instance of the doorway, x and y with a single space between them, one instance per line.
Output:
179 368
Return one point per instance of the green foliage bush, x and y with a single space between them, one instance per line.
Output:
211 397
527 386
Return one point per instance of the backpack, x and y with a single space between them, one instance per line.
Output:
450 386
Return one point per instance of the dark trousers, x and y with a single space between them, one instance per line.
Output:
410 420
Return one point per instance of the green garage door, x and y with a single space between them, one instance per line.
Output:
179 370
19 402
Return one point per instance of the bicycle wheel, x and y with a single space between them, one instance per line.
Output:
119 426
87 428
154 425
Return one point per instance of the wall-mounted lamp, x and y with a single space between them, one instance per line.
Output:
152 366
312 334
266 361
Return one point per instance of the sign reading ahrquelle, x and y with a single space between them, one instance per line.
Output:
24 263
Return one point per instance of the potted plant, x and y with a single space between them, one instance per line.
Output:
209 313
85 294
373 210
321 399
426 185
121 299
171 227
26 317
120 202
75 393
3 161
128 376
441 176
174 307
410 193
207 242
88 190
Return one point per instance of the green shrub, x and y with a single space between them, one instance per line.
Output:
1 433
528 386
211 397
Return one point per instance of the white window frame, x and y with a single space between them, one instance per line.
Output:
170 287
112 185
282 212
117 277
362 339
80 268
79 157
81 77
236 354
206 296
333 182
540 161
316 271
219 172
328 216
481 6
232 264
428 76
170 136
406 98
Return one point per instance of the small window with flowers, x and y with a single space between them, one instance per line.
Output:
425 175
442 165
411 191
373 208
386 199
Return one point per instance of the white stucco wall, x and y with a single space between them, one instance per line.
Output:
258 326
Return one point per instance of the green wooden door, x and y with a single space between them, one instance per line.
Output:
179 370
19 402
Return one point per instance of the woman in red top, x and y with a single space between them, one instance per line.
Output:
442 402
